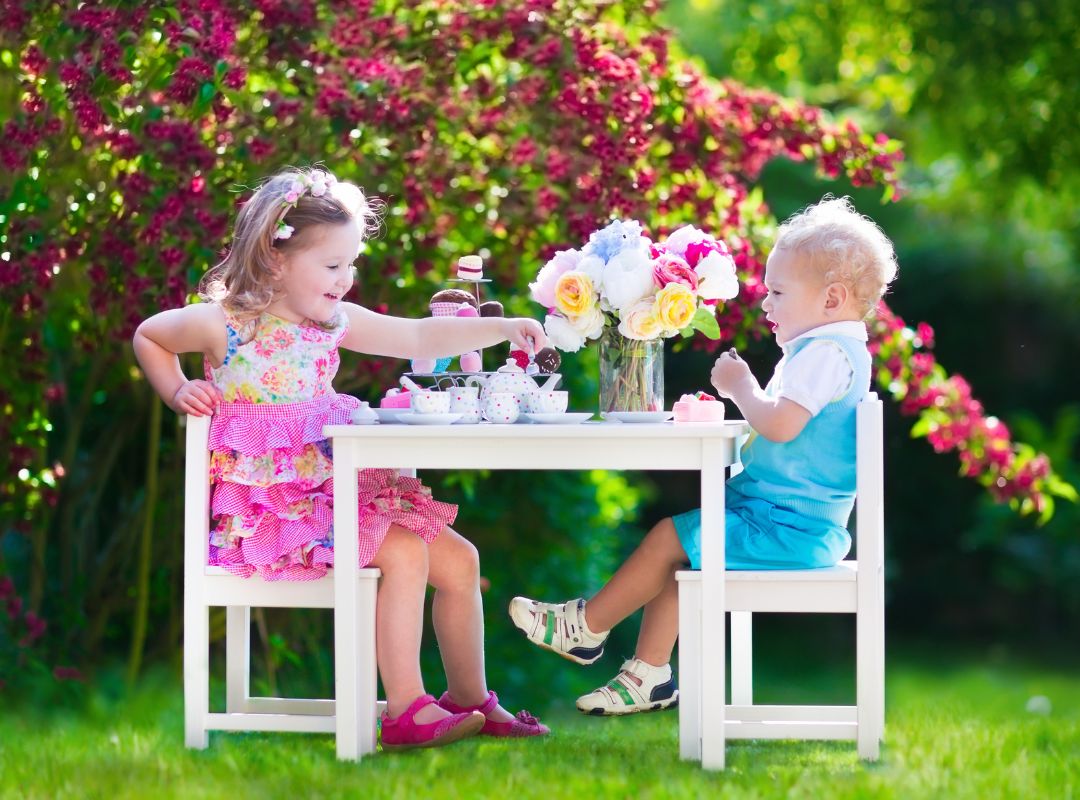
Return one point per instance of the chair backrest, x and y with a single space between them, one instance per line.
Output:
197 495
869 483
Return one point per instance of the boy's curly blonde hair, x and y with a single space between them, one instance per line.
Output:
844 246
243 283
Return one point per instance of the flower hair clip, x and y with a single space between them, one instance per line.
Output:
318 183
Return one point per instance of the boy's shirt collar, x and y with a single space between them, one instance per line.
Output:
854 329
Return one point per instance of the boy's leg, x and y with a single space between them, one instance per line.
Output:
643 577
660 625
576 630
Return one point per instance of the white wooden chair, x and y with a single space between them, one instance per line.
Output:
351 717
851 587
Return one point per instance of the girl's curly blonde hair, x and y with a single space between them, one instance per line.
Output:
844 246
244 283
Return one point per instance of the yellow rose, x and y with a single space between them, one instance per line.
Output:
574 294
639 321
675 306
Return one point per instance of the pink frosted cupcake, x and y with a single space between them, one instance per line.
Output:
700 407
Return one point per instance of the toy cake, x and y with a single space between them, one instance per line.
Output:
470 268
699 407
395 398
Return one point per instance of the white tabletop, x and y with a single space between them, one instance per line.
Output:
592 429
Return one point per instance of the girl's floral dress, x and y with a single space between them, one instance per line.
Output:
272 469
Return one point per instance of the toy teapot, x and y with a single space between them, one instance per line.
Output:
510 378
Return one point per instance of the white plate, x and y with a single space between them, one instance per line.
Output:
390 414
636 416
565 418
410 418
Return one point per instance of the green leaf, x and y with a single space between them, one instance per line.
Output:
922 426
1066 491
705 321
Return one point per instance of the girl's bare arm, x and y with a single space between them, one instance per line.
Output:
435 337
198 328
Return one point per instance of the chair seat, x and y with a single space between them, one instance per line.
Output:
222 588
814 591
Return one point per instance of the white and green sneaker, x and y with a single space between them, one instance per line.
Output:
559 627
638 687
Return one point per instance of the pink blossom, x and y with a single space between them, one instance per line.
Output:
669 268
542 290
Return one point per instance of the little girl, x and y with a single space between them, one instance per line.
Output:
788 508
269 333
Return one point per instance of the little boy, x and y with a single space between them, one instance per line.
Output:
788 508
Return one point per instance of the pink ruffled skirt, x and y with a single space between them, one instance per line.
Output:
273 494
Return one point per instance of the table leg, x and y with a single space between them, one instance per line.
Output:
346 595
713 677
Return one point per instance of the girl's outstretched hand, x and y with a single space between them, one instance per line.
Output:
729 372
198 398
524 333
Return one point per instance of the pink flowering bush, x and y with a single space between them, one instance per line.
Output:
518 127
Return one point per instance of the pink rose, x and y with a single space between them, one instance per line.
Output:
695 251
670 268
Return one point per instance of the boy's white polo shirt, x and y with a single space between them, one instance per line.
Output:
820 372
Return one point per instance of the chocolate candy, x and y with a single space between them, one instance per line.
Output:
548 359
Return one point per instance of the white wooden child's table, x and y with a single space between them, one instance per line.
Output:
709 448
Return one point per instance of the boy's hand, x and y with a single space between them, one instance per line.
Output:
729 372
197 398
524 333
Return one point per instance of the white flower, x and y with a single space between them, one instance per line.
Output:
590 324
562 335
677 242
594 268
318 185
639 321
716 277
628 277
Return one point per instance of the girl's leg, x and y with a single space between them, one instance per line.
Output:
399 619
646 578
458 616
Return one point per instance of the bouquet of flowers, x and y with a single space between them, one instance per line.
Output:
631 294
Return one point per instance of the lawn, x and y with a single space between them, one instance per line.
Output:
972 725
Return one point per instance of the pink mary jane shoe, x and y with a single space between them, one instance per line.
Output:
524 724
404 732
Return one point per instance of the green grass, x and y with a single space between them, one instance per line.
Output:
957 727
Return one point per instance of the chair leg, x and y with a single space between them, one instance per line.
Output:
742 658
237 658
196 672
879 655
690 669
868 684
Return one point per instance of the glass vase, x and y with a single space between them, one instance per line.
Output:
631 373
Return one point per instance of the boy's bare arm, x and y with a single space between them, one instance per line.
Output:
776 418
